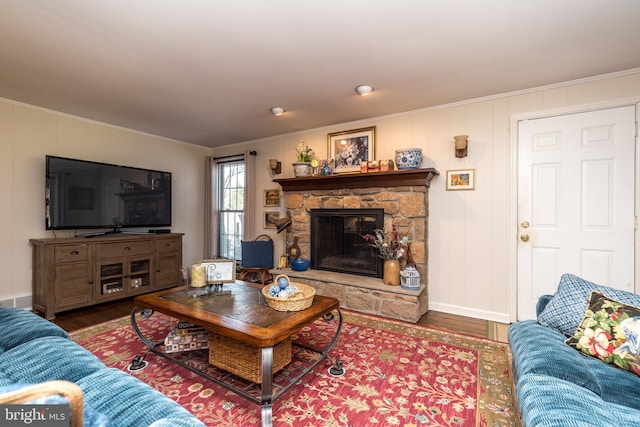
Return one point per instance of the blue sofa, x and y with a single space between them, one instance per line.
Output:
34 351
556 385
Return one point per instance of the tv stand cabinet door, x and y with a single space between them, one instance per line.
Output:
73 285
62 275
168 262
111 276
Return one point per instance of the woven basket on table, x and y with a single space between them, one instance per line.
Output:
300 301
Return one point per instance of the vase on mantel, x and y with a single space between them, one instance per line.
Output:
391 272
301 169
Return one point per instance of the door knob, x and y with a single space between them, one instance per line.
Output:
524 237
525 224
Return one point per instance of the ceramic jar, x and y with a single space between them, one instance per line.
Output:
391 272
301 169
410 278
326 169
408 158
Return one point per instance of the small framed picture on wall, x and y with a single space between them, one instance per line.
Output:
461 179
272 198
270 219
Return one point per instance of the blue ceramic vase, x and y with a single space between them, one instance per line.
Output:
408 158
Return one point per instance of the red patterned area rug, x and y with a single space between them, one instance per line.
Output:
397 374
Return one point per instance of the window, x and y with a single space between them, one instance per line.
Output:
230 191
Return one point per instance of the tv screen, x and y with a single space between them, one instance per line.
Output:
83 194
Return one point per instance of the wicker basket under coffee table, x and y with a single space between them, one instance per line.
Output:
248 338
244 360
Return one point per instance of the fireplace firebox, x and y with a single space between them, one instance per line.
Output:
337 243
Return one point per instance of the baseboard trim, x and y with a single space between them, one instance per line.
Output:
18 302
469 312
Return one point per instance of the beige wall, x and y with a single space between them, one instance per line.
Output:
28 133
471 261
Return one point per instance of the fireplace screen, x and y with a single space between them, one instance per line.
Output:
336 242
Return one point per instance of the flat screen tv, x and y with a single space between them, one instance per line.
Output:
90 195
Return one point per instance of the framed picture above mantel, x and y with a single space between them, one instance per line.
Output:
350 148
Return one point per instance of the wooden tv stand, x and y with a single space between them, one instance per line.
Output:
78 272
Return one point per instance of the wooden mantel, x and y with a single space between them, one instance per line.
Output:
398 178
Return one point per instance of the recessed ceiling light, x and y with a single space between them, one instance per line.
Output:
364 90
276 111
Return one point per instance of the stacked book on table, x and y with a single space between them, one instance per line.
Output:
186 336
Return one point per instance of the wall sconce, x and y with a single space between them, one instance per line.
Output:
461 142
276 166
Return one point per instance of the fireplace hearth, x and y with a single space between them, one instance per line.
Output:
337 243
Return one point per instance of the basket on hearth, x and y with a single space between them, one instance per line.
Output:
291 296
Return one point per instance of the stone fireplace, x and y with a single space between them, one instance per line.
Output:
402 196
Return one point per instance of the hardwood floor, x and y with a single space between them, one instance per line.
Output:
81 318
451 322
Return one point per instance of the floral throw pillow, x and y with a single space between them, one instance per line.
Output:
610 331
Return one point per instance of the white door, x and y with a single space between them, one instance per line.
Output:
575 202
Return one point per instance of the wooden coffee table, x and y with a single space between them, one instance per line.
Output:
241 313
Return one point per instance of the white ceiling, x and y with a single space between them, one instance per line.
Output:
208 71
